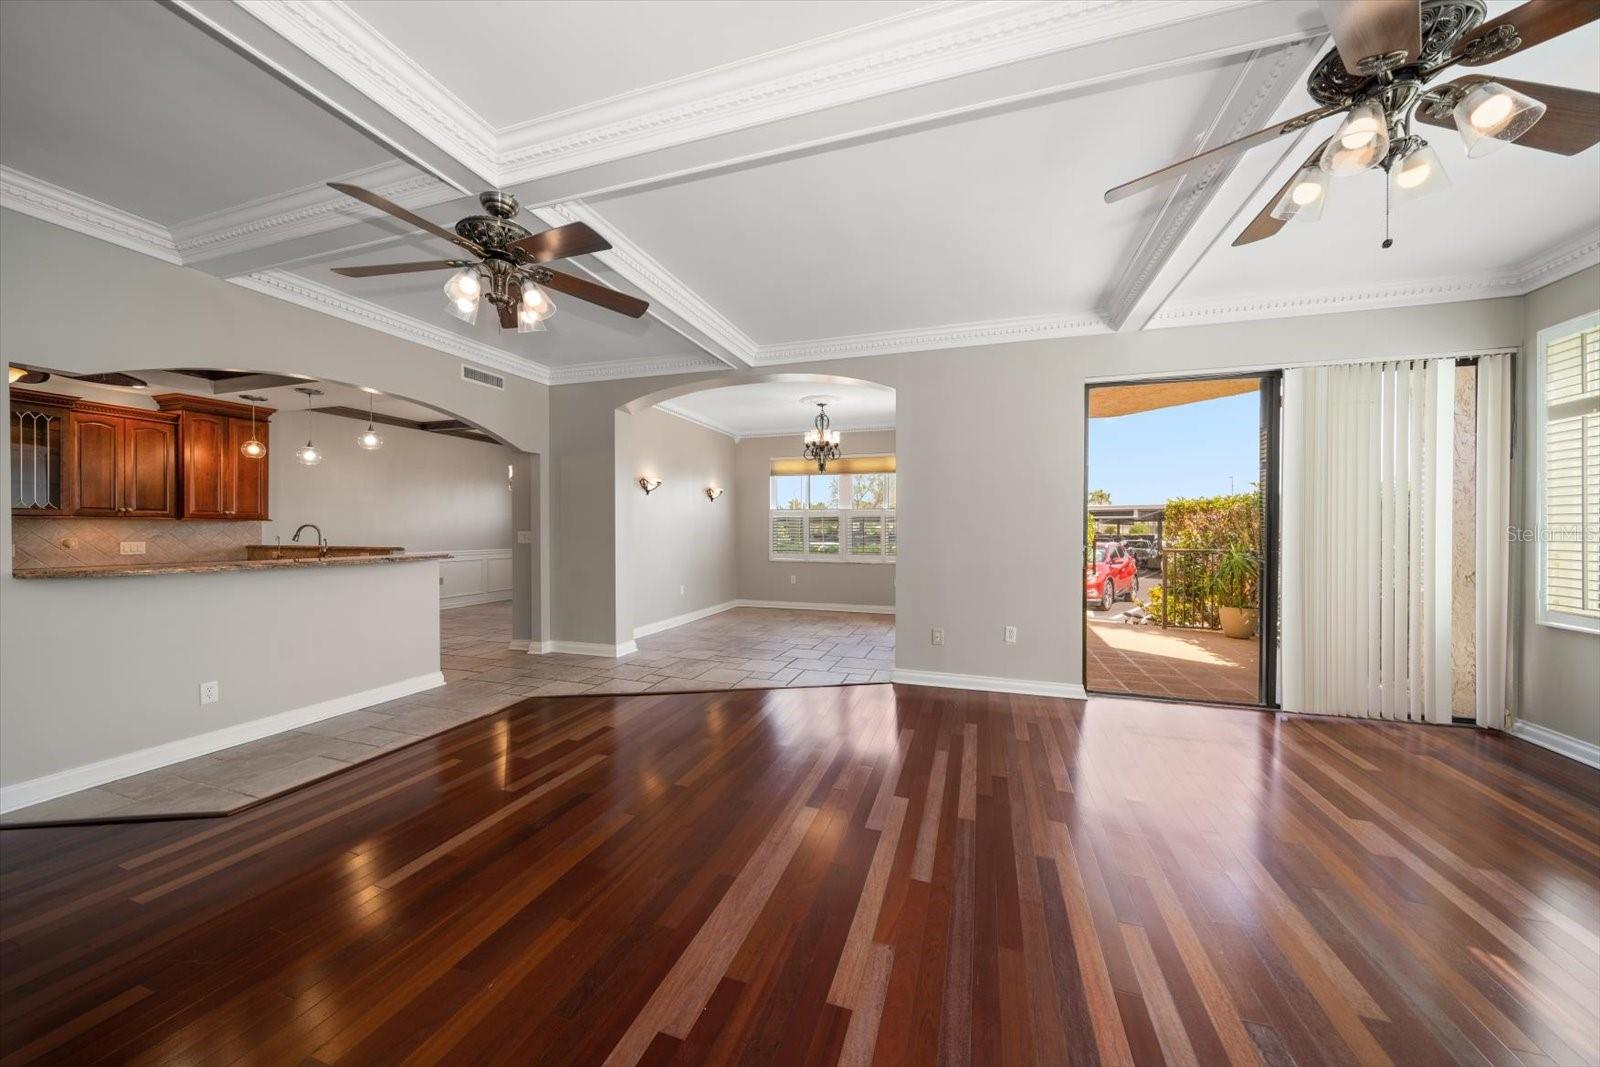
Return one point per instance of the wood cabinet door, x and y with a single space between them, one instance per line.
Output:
96 467
249 478
40 482
150 468
206 492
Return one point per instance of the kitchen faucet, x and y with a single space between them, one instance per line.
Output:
322 542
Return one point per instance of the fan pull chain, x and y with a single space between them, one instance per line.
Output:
1388 242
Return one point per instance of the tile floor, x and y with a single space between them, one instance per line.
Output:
746 648
1186 664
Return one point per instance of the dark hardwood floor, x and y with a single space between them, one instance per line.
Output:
871 874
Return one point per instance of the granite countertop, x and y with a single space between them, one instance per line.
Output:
118 570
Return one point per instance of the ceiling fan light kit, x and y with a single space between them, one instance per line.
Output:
510 268
1490 116
1377 74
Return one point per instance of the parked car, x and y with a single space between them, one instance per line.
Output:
1113 575
1145 551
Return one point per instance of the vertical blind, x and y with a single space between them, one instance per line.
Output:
1571 476
1366 540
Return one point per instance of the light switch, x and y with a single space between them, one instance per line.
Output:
524 537
131 548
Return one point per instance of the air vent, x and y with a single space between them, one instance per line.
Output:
482 377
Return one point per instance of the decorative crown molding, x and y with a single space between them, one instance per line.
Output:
308 294
916 48
633 368
302 212
1256 93
638 267
699 420
51 203
1569 257
962 335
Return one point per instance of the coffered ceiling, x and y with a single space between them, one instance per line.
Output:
782 181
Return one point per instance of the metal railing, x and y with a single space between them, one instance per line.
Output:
1187 581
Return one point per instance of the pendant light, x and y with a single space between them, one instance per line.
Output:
253 448
308 454
821 441
1418 173
463 292
1491 116
1305 196
369 438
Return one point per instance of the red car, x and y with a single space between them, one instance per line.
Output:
1113 575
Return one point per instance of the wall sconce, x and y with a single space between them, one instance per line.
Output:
713 491
649 485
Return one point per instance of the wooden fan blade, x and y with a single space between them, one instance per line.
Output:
1535 22
508 315
366 196
1371 29
609 299
563 242
1570 124
400 268
1264 225
1212 155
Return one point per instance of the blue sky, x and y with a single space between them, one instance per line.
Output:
1188 450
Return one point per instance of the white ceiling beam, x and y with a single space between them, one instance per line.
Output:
1200 204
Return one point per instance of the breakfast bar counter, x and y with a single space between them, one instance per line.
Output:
224 565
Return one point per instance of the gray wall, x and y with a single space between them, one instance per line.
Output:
682 556
419 491
1018 462
1556 673
101 667
815 582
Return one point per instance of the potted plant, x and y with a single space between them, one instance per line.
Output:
1234 587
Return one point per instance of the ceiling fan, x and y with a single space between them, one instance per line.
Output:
508 265
1386 52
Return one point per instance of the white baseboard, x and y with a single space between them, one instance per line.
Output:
797 605
678 620
986 684
1555 741
584 648
59 784
468 599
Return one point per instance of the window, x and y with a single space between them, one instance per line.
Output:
1568 402
844 517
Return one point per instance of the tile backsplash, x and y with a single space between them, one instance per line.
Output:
97 542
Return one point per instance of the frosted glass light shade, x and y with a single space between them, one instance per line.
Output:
1419 174
308 454
253 449
1304 197
1491 115
462 293
529 321
1360 144
370 439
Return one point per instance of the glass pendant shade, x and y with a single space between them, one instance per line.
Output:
536 303
369 439
1417 175
1360 144
253 449
464 292
1491 115
308 455
528 321
1304 198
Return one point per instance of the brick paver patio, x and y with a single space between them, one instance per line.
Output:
1188 664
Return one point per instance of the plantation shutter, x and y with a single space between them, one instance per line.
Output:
866 535
890 546
822 536
1572 474
788 535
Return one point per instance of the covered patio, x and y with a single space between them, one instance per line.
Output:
1198 665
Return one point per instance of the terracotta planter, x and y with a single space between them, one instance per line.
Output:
1238 622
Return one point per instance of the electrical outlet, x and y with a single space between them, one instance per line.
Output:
1011 635
210 692
792 579
131 548
938 636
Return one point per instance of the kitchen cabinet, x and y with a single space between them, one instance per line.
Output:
217 480
71 456
122 464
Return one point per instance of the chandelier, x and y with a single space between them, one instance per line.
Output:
822 443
